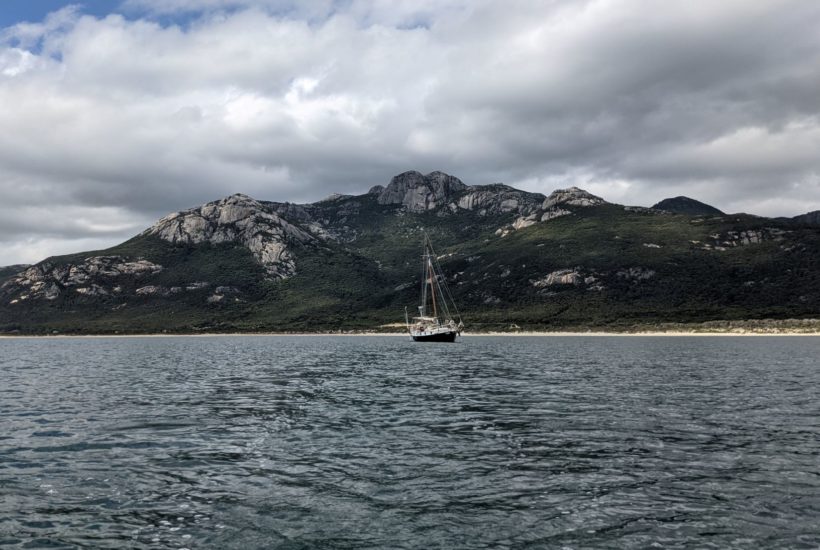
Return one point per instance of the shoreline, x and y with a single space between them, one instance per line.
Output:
520 334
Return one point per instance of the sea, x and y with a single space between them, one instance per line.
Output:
324 442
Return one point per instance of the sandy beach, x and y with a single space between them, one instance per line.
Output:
520 334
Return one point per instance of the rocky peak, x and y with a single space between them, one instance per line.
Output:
419 193
573 196
239 219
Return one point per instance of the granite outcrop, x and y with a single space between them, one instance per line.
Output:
242 220
93 276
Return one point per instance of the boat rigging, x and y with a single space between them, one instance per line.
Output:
438 317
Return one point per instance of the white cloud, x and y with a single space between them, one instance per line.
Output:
131 118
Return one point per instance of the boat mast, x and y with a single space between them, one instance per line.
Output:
423 306
431 272
441 286
431 327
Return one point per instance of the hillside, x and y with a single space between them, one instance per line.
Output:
810 218
685 205
10 271
569 260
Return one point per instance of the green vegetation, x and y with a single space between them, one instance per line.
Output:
631 269
9 271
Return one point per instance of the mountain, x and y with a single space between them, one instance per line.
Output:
567 260
685 205
810 218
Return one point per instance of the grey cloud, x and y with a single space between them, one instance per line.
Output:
76 223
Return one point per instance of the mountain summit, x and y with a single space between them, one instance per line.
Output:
419 193
685 205
567 260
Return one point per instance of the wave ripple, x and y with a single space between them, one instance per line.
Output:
302 442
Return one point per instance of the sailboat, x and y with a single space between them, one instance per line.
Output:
436 321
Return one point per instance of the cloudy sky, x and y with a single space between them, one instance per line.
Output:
113 113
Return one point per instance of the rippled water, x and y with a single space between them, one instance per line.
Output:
323 442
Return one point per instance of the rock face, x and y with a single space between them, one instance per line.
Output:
437 190
560 277
269 230
554 212
590 280
635 274
685 205
155 290
554 206
731 239
419 193
222 293
237 219
572 196
564 278
94 276
497 199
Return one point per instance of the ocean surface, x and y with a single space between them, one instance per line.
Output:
379 442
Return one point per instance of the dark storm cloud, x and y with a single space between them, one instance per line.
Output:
107 123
